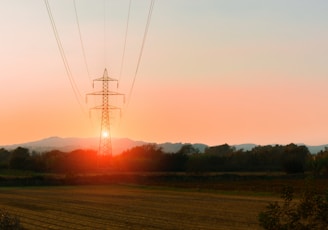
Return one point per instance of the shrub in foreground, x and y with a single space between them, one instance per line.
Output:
310 213
9 221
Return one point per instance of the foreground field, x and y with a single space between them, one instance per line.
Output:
129 207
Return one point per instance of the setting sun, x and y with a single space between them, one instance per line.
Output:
105 134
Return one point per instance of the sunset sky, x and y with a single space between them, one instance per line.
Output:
212 71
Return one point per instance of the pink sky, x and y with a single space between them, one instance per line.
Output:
212 71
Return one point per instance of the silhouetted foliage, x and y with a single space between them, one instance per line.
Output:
175 162
141 158
9 221
295 158
222 158
267 158
19 158
187 150
310 213
319 164
81 161
4 158
220 150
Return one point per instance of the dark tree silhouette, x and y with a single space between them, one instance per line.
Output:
19 158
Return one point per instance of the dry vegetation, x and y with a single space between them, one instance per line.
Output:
129 207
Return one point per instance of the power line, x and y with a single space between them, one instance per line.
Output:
142 47
125 39
63 56
105 34
81 41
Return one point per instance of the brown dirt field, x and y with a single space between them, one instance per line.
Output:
130 207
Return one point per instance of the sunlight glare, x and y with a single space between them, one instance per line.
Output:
105 134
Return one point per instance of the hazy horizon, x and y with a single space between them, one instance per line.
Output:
96 139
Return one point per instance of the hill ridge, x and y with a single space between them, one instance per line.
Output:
121 144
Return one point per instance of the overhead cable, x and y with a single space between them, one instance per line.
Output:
125 39
81 41
142 47
74 87
105 34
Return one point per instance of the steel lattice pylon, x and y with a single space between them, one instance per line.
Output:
105 146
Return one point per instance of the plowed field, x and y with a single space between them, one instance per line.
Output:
129 207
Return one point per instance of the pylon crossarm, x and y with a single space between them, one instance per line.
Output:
105 79
111 93
111 107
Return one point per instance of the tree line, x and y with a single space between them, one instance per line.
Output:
289 158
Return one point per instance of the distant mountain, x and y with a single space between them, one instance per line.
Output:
69 144
169 147
119 145
245 147
316 149
313 149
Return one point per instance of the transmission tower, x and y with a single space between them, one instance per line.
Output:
105 145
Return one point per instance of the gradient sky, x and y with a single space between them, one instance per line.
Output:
212 71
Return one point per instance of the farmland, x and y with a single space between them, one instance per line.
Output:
129 207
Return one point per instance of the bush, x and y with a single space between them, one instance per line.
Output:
9 221
310 213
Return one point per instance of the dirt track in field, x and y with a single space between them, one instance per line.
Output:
129 207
